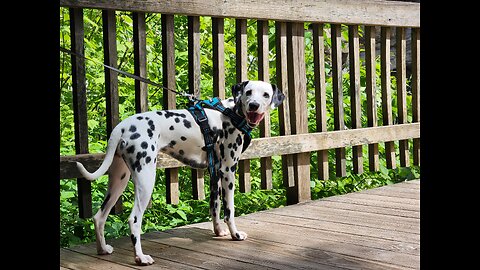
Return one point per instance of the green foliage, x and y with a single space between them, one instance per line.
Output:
163 216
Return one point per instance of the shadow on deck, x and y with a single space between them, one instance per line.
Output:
371 229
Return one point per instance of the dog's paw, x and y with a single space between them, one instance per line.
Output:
144 260
105 251
221 232
239 236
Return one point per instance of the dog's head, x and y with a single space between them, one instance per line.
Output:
255 98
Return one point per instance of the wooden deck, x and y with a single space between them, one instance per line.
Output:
372 229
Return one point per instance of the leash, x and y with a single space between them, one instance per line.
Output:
191 97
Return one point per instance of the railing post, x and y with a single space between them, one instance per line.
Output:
298 113
194 88
80 107
242 75
355 95
320 96
284 109
111 80
416 90
263 75
169 98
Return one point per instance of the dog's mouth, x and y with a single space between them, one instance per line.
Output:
254 118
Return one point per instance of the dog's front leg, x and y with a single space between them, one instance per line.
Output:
215 191
228 188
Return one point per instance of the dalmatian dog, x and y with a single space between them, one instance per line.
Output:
134 144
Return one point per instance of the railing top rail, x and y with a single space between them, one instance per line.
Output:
365 12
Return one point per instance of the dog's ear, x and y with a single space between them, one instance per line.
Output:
277 97
237 90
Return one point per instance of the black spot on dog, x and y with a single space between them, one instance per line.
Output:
187 123
123 130
172 143
150 133
147 118
134 239
204 148
135 219
239 139
229 146
227 168
135 136
144 145
233 168
140 117
237 235
235 147
153 147
222 152
230 186
227 213
132 128
231 130
168 114
183 138
123 176
105 202
225 125
148 159
152 126
232 154
172 128
131 149
159 113
177 120
181 152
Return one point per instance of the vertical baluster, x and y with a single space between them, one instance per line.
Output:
320 95
79 97
140 61
241 72
263 75
111 79
218 44
194 88
416 90
355 103
339 121
298 113
401 46
284 109
370 63
387 94
169 98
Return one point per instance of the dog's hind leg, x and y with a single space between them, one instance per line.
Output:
118 177
144 181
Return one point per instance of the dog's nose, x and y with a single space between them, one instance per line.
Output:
253 106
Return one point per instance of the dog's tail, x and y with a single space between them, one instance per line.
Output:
115 138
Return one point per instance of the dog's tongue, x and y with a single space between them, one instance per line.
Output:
254 118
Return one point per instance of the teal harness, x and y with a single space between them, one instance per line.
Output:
239 122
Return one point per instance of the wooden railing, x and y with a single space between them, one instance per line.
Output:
295 143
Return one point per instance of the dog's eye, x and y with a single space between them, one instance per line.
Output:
248 93
266 95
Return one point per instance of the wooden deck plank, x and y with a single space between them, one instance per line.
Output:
372 229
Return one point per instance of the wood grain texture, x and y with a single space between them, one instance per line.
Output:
298 115
218 58
169 98
264 75
371 12
242 75
371 93
79 98
337 83
355 94
320 95
111 80
387 94
284 108
273 146
401 74
140 61
197 176
371 229
416 90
